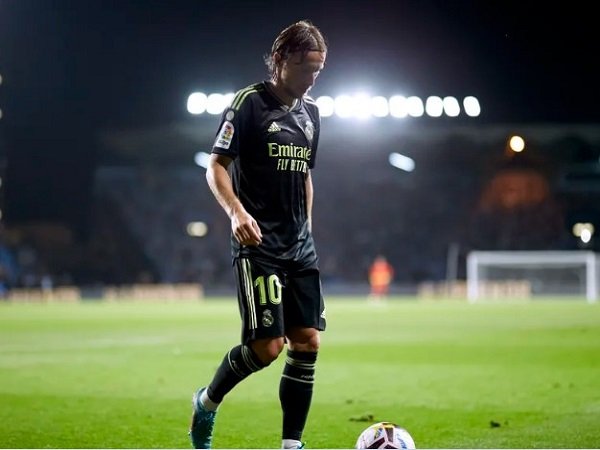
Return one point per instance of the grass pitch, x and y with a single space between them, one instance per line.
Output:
496 375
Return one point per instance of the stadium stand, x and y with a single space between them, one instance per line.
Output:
466 192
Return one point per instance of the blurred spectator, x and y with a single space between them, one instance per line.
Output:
9 269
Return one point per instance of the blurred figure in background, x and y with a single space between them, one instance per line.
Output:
381 274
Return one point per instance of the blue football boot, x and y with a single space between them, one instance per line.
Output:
203 422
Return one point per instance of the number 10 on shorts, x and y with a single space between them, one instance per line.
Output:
268 289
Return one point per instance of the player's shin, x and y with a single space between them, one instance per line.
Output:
295 392
238 363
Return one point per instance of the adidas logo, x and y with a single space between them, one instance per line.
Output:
273 128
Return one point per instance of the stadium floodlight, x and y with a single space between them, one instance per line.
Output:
379 106
343 105
471 106
197 229
415 106
584 231
326 106
434 106
359 106
216 103
401 162
398 106
197 102
451 106
201 159
516 144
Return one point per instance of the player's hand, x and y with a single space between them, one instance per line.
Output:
245 229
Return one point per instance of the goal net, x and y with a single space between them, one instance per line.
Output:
548 273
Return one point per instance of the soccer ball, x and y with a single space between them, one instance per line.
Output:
385 435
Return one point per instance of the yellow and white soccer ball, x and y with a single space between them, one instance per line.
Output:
385 435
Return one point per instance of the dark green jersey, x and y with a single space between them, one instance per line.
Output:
273 147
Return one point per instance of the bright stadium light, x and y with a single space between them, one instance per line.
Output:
216 103
451 106
197 102
326 106
379 106
471 106
402 162
584 231
398 106
359 105
201 159
415 106
586 236
343 106
516 144
434 106
197 229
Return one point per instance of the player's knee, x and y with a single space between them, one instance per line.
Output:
267 350
304 340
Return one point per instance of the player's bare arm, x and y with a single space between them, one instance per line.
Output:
244 227
309 199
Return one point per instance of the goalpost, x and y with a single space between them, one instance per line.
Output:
575 273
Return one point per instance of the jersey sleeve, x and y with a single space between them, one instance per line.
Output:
232 126
228 134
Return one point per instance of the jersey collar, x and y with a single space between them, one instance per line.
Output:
269 88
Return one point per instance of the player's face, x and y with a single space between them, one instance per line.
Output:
299 72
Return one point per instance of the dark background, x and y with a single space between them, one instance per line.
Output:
73 70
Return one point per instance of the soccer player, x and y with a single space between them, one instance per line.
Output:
259 172
381 274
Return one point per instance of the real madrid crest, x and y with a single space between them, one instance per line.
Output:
309 131
267 318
